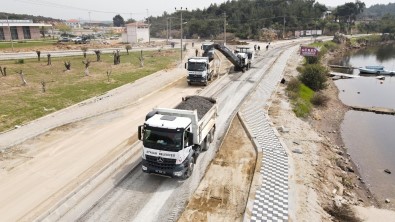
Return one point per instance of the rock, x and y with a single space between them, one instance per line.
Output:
360 200
340 153
387 201
17 126
297 151
338 201
283 129
350 169
387 171
297 143
334 191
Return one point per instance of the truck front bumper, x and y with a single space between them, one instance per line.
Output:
196 79
177 171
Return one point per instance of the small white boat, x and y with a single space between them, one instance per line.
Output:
377 70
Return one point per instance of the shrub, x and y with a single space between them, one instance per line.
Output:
312 60
293 85
314 76
20 61
301 108
319 99
343 213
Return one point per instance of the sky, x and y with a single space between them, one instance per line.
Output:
101 10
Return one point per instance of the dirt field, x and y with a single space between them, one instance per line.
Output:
223 192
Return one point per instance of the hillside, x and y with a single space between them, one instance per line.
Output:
379 10
30 17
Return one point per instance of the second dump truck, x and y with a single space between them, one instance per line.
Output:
200 70
174 138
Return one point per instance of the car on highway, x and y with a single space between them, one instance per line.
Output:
114 37
82 40
64 39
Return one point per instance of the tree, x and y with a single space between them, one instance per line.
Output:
128 47
131 20
118 21
63 27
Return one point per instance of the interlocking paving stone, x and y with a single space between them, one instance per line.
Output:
271 199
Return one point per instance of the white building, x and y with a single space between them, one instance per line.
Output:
73 23
136 32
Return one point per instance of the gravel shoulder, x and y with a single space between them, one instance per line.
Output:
222 194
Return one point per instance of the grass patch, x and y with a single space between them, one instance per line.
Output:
300 96
25 44
21 104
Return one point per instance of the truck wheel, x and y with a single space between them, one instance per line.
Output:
189 171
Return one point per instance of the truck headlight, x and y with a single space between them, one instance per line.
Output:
178 174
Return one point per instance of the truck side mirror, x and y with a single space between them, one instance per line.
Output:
140 130
190 138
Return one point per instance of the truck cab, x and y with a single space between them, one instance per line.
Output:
174 138
208 50
168 144
199 70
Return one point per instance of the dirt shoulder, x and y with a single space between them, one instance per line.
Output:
222 194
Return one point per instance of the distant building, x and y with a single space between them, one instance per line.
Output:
73 23
136 32
20 29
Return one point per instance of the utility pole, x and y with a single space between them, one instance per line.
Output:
181 28
170 28
9 29
149 36
167 30
284 28
90 21
225 28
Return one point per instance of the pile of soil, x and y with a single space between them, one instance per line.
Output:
199 103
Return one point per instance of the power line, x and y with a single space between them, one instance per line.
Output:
61 6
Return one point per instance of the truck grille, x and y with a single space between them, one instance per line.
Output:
160 162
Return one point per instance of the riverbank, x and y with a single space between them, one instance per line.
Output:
324 175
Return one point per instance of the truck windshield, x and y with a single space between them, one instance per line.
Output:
196 66
205 47
163 140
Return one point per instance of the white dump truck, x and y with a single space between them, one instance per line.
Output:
174 138
208 50
200 70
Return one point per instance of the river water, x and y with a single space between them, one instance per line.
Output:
370 137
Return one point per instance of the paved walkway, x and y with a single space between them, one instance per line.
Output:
271 199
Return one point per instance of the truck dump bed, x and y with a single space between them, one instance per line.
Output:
199 103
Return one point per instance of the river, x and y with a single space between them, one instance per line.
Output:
369 137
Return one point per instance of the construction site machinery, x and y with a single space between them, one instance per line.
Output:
249 51
173 138
239 59
200 70
208 50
